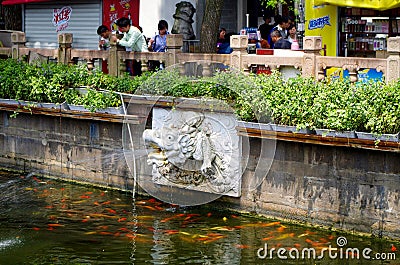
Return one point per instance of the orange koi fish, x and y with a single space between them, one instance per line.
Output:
111 211
240 246
281 228
172 232
172 217
105 233
55 225
393 248
271 224
268 238
297 245
150 208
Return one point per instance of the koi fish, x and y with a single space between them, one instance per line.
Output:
213 239
271 224
221 228
305 234
55 225
111 210
102 215
122 219
267 238
393 248
240 246
91 233
36 228
284 236
105 233
150 208
171 232
281 228
172 217
84 197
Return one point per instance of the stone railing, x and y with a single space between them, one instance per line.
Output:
307 62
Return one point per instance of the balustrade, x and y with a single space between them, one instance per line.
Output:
307 62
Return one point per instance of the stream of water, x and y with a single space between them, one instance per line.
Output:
43 221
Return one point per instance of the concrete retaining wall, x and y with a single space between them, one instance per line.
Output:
340 187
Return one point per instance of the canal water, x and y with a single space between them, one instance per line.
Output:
43 221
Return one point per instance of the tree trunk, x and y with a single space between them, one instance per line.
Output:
12 17
210 26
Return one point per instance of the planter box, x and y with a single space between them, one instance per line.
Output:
389 137
110 110
9 101
333 133
374 137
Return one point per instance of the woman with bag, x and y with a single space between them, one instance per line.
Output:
159 44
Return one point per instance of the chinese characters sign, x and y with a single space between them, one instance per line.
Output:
115 9
61 17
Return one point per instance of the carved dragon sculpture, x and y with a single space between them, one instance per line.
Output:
186 155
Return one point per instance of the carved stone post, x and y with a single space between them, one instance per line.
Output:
18 40
64 48
174 46
239 45
113 62
393 60
312 46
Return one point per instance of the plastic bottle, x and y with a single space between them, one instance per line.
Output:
295 45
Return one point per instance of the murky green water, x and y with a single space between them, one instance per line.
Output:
43 221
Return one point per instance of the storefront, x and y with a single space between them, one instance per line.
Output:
43 20
353 28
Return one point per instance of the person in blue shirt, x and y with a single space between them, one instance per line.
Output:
158 43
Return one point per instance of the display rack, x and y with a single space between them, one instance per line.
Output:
364 32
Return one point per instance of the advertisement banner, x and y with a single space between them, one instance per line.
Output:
115 9
322 21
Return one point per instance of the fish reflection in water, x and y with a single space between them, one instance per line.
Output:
44 220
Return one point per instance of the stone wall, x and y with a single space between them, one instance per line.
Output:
335 186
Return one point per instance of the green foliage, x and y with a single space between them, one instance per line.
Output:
302 102
53 82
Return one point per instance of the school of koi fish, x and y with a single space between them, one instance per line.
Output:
44 221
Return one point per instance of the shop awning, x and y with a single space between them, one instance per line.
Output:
18 2
369 4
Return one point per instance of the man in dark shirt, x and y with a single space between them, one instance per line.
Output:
265 30
279 42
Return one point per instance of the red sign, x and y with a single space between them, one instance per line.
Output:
115 9
61 17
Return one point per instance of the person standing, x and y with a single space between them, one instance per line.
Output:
158 43
282 25
104 44
221 37
292 33
133 39
265 30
